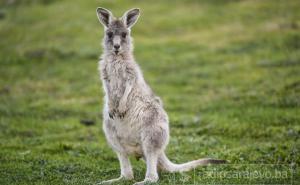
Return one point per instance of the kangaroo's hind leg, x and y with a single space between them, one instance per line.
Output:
154 142
125 165
126 170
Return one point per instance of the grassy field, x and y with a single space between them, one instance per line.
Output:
227 71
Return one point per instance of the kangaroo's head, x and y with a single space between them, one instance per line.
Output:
117 38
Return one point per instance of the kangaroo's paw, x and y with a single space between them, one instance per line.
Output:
114 180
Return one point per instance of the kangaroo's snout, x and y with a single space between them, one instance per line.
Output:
117 47
117 43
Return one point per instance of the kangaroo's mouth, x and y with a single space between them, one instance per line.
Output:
116 52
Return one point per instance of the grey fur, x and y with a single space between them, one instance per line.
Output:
135 122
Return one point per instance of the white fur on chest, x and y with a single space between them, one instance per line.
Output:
113 76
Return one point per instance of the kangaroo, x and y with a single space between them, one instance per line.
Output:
134 120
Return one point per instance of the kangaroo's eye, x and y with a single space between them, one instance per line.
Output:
110 34
124 34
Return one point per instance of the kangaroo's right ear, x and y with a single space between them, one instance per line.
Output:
104 16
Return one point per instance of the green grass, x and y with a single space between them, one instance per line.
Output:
227 71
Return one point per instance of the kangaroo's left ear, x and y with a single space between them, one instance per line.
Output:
130 17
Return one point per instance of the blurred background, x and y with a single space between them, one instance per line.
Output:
228 72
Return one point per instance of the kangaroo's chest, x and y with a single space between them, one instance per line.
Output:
115 80
116 75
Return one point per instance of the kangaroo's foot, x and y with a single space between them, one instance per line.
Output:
146 181
122 178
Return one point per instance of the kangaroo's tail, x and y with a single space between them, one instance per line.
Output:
165 164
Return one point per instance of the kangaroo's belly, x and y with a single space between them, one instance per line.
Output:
124 136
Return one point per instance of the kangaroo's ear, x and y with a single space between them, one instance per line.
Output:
104 16
130 17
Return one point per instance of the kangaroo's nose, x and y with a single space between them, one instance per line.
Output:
117 46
